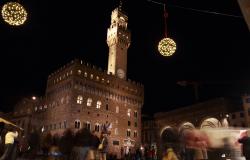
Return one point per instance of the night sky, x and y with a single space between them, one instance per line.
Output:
212 49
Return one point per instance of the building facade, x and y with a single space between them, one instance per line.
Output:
165 129
82 95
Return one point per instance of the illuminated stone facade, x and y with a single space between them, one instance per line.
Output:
81 95
166 128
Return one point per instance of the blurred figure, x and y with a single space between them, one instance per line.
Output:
170 155
245 141
10 150
103 146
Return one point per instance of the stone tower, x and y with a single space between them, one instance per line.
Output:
118 40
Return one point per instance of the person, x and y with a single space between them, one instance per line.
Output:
103 147
170 155
10 151
245 141
94 146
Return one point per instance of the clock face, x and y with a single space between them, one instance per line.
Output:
120 73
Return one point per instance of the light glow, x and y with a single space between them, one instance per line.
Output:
14 13
167 47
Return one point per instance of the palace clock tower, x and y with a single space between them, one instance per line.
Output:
118 40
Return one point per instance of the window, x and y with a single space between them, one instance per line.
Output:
241 114
89 102
135 114
98 104
79 99
107 106
79 72
248 100
116 131
65 124
135 124
85 74
97 127
135 133
129 112
87 125
91 76
35 108
77 124
117 109
116 143
128 133
97 78
129 123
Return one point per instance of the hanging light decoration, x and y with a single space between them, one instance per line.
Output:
14 13
166 46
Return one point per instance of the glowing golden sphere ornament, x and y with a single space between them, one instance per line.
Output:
14 13
167 47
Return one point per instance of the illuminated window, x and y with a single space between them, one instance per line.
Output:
79 99
98 104
71 72
91 76
117 109
65 124
129 112
89 102
116 131
97 127
128 132
85 74
97 78
77 124
102 80
87 125
35 108
135 133
79 72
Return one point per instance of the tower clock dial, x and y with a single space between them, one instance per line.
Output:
120 73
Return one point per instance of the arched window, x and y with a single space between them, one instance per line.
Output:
116 131
87 125
135 134
128 132
117 109
135 114
98 104
79 71
97 127
89 102
85 74
129 112
79 99
77 124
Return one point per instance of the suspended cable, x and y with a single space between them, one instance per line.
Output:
206 11
198 10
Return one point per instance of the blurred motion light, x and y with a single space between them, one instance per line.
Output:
14 13
167 47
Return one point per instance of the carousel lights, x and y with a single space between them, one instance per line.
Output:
14 13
